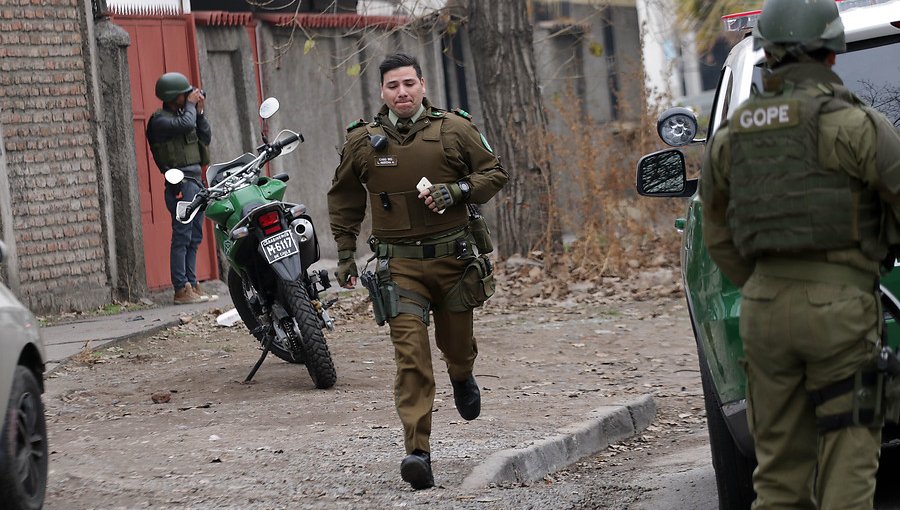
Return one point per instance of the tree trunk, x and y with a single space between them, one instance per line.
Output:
515 122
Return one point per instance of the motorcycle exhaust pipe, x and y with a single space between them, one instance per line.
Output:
303 228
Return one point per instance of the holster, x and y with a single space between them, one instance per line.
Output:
385 296
370 282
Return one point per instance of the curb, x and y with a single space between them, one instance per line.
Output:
609 425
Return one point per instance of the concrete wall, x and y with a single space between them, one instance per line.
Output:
229 80
595 54
50 167
117 122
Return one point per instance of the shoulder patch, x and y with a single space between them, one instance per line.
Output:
355 124
462 113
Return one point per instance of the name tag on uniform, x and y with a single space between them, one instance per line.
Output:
772 116
385 160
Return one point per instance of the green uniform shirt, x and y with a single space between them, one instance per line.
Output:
465 156
849 141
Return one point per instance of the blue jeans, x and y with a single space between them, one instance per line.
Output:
186 238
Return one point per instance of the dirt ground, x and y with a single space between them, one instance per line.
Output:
544 362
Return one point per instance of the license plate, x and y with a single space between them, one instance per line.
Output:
279 246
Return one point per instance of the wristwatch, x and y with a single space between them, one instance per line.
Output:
466 189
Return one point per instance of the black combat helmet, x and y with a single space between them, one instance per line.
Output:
169 85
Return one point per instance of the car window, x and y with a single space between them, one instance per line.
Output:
872 72
722 100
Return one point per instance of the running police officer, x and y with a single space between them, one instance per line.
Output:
423 239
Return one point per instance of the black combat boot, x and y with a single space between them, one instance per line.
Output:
467 397
416 469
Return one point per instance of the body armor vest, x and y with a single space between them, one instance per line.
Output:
782 199
391 178
179 151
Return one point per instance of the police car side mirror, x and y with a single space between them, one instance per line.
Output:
677 126
663 174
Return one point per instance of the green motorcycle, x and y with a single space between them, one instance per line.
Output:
269 245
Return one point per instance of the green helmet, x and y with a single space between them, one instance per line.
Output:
799 26
169 85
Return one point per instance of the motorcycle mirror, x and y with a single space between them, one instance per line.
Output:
174 176
180 209
268 107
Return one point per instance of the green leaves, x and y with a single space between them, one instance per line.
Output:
354 70
308 46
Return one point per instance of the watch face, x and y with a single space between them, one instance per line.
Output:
464 187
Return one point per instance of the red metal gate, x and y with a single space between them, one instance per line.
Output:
160 45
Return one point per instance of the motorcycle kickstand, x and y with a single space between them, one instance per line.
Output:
259 362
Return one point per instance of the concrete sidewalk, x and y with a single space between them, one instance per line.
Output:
67 339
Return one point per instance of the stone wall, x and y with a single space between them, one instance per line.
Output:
48 143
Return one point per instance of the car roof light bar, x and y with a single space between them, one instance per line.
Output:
747 20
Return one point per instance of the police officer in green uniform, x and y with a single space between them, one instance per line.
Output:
424 241
179 134
798 187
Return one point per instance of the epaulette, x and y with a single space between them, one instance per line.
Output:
355 124
462 113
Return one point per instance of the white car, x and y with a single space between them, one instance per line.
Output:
23 439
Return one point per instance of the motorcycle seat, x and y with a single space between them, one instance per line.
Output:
218 172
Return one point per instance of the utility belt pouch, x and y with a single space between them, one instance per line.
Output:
474 287
480 233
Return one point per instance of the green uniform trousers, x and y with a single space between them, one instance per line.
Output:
799 336
414 383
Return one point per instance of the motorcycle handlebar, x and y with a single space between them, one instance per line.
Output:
287 141
198 201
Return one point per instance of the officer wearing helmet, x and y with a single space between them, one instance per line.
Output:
801 190
179 134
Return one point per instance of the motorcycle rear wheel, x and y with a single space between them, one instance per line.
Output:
240 295
312 341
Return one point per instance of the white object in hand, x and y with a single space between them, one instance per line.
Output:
425 184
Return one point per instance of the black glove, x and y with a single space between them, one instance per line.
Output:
445 195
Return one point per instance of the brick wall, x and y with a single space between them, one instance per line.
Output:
49 142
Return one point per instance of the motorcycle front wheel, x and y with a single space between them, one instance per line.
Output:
312 341
241 294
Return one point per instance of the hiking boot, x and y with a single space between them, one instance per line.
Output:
186 296
415 469
209 297
467 398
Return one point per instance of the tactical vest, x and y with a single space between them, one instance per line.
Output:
391 178
179 151
782 199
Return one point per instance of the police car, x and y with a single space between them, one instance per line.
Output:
871 69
